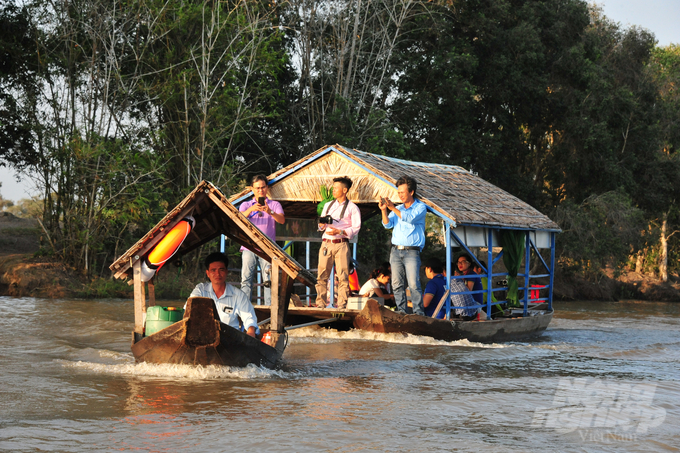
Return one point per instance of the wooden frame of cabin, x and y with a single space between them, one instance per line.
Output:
214 216
472 209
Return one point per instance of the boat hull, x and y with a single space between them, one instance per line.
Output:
200 339
376 318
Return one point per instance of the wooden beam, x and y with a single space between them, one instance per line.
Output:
282 288
152 291
140 298
313 323
287 283
441 303
276 310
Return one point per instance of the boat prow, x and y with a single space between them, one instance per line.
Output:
200 339
376 318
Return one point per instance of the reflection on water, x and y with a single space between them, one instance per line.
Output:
71 384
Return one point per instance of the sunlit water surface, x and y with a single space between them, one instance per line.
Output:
70 384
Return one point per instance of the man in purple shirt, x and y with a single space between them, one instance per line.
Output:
262 216
335 246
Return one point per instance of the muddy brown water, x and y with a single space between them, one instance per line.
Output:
603 377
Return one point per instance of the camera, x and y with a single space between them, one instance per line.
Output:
326 219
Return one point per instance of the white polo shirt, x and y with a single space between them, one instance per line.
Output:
232 305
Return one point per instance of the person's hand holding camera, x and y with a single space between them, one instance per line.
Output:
385 203
259 206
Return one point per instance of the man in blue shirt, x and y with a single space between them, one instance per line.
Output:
435 288
408 240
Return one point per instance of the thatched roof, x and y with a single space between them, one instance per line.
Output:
214 215
449 191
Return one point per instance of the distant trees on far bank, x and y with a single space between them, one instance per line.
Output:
120 108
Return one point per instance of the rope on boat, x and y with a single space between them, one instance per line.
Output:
313 323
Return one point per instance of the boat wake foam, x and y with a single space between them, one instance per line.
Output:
175 371
320 335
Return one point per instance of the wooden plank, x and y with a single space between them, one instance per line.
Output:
287 283
312 323
441 303
282 288
152 291
276 310
140 299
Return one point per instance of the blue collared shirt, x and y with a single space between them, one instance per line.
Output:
409 230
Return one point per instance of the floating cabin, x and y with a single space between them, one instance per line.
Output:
475 214
214 216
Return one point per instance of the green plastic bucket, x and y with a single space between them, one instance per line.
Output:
158 318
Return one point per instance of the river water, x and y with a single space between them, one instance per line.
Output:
603 377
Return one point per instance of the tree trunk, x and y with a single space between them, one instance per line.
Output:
639 261
663 258
348 79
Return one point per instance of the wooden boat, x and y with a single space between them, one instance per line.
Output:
376 318
512 238
200 339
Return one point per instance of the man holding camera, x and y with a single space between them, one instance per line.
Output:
262 212
340 221
408 240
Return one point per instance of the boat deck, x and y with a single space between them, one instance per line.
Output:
345 317
302 315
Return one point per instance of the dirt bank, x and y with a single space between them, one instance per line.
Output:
629 285
24 273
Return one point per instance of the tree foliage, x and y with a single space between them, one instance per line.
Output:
601 231
118 108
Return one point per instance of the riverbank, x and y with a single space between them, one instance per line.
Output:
25 275
24 272
29 276
629 285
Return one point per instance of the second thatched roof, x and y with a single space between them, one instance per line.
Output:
449 191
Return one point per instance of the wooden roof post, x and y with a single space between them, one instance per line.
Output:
140 297
447 240
151 289
276 310
274 281
282 287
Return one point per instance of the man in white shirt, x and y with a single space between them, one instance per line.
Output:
231 302
335 246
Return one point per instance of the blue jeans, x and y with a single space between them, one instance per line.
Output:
248 268
406 268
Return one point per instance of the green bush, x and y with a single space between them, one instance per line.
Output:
602 231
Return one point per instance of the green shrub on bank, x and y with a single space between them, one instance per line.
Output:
106 288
